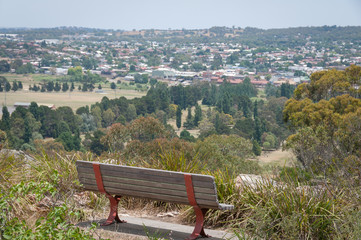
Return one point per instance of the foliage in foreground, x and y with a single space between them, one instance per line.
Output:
263 210
55 225
33 199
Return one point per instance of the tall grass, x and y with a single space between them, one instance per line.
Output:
174 161
265 210
290 211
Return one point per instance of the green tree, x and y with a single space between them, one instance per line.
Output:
57 87
84 87
113 86
116 137
97 113
65 87
16 64
198 67
62 127
255 110
189 120
89 63
179 117
226 152
24 69
7 86
34 109
27 131
153 81
256 148
185 135
327 139
50 86
197 115
258 131
217 62
108 117
131 112
146 129
4 66
15 86
144 78
246 127
96 146
5 119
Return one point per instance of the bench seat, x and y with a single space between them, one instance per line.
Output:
196 190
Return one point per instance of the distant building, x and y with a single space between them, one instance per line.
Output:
163 73
21 104
27 105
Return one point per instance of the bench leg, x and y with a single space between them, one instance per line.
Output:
198 229
113 215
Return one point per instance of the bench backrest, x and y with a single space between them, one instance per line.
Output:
160 185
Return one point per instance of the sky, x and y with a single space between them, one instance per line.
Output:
171 14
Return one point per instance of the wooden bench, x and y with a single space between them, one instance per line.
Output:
196 190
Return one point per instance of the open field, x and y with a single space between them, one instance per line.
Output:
73 99
29 78
277 158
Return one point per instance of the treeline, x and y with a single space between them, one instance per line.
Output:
230 111
18 66
290 36
6 86
25 126
50 86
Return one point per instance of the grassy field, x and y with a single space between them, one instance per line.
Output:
73 99
277 158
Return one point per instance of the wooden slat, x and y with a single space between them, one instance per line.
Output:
146 171
153 196
148 189
148 176
154 184
123 180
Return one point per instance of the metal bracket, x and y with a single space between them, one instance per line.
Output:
114 201
200 213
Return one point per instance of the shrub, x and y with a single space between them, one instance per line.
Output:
55 225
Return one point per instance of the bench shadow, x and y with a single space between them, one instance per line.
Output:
142 230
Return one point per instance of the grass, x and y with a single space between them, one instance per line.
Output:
73 99
277 158
29 78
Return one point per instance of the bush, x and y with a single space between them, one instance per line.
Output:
54 226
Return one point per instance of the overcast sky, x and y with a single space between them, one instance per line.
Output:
189 14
